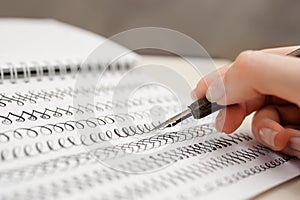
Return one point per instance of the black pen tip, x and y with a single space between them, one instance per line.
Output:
169 125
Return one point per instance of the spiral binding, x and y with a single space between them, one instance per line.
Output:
25 71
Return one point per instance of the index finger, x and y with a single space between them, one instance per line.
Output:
202 85
258 73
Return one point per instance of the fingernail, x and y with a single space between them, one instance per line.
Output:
295 143
215 91
193 95
220 120
268 136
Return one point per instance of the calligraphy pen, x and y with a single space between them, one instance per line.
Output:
202 107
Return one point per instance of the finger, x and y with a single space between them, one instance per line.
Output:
232 117
201 87
287 114
267 127
289 151
256 73
293 146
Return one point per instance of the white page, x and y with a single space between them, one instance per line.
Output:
57 174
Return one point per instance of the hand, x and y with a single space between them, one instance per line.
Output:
265 82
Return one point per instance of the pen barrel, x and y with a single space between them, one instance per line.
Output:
202 107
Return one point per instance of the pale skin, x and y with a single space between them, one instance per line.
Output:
266 82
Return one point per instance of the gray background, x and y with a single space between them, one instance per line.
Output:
223 27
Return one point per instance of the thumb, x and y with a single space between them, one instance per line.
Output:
256 73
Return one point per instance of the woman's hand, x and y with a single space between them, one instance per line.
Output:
267 82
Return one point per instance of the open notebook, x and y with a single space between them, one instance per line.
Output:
53 146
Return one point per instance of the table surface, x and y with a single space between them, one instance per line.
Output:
289 189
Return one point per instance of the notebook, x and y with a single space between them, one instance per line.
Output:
68 134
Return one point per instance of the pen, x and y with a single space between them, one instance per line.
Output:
202 107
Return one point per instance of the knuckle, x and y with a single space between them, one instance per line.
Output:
243 61
244 57
202 84
243 66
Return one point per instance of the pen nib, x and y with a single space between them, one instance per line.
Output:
174 120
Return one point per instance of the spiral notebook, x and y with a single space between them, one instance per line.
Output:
61 139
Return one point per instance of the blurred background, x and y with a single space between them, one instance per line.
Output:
224 28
